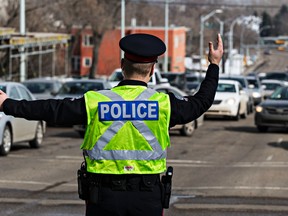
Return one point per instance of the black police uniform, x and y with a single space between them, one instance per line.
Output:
73 111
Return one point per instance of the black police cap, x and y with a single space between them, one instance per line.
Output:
142 48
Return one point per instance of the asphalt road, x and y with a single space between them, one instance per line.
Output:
226 168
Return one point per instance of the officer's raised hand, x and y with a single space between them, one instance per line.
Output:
215 55
3 97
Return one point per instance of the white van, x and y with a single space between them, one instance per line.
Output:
117 76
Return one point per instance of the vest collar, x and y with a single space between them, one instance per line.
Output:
132 82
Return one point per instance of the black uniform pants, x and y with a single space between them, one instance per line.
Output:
131 202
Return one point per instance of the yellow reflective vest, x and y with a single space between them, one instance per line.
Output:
127 130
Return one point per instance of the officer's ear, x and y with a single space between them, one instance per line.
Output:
152 71
122 63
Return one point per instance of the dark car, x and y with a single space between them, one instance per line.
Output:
281 75
273 112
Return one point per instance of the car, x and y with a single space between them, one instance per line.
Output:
230 101
273 112
156 78
14 130
78 87
278 75
244 82
176 79
193 81
43 88
184 129
270 85
254 84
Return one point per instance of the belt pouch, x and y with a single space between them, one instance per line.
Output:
118 183
148 182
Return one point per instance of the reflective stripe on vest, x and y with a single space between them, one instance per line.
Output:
97 153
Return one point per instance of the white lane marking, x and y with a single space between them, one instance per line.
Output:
269 158
3 181
63 158
43 202
229 188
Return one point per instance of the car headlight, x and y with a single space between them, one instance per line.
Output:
231 101
256 95
259 108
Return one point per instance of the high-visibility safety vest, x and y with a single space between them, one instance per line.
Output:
127 130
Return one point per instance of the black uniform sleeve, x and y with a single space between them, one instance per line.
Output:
59 112
191 107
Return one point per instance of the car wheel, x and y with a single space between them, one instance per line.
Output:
262 128
188 129
237 116
38 139
244 115
6 141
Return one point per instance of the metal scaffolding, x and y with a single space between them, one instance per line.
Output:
33 44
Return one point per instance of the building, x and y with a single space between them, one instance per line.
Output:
109 53
31 44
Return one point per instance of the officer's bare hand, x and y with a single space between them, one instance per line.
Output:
215 55
3 97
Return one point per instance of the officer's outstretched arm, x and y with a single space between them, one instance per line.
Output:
3 97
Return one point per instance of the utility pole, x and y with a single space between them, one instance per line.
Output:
22 49
122 23
166 35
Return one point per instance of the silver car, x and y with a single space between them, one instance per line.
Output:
43 88
185 129
13 130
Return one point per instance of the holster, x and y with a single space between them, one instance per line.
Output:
83 182
167 187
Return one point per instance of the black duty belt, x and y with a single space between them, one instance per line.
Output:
124 181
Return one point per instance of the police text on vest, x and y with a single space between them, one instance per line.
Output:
128 110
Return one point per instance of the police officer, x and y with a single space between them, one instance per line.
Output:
127 129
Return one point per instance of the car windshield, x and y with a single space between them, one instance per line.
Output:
117 76
253 82
236 79
271 86
80 87
226 88
280 94
3 88
39 87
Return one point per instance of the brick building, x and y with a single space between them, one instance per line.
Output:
110 53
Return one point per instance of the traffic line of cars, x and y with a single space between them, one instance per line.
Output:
235 98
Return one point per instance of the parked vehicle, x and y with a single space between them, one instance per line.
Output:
230 101
43 88
185 129
269 86
244 82
255 86
14 130
273 112
77 88
156 79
